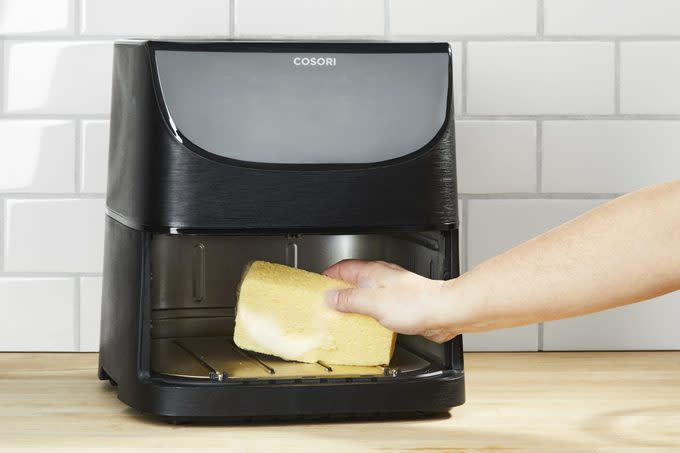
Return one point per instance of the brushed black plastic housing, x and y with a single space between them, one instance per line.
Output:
158 182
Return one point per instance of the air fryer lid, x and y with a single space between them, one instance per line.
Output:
305 107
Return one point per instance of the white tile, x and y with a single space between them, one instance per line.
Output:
609 156
533 78
90 313
309 17
155 17
36 17
647 325
497 225
463 17
58 77
612 17
54 235
94 156
650 77
37 156
496 156
524 338
38 314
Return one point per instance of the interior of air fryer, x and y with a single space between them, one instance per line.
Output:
194 289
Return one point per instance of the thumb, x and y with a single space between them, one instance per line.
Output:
364 301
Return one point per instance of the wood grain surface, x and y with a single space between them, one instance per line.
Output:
571 402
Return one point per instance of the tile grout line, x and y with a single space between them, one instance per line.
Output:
76 17
540 30
50 274
78 156
56 116
466 243
3 220
3 214
617 77
458 117
76 313
418 37
462 195
232 18
539 156
77 8
538 196
570 117
52 196
4 79
539 38
386 19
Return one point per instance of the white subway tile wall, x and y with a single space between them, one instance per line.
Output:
463 17
36 17
536 78
37 156
90 310
309 18
561 106
58 77
609 156
496 156
650 77
38 314
612 17
54 235
155 17
648 325
494 226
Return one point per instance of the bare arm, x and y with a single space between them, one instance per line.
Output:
625 251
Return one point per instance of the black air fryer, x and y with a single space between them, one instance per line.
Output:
300 153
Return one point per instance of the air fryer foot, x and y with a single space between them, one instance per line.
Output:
103 376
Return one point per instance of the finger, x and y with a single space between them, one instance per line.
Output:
364 274
371 302
351 270
439 335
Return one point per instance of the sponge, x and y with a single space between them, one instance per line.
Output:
281 312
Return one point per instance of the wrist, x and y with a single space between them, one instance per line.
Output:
460 304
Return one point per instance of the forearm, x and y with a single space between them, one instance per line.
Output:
622 252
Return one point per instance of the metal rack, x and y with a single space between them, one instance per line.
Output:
219 359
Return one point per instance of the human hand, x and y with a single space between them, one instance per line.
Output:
400 300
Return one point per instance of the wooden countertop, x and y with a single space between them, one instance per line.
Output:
575 402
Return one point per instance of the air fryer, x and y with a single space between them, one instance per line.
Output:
299 153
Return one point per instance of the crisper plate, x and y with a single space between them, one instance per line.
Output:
218 358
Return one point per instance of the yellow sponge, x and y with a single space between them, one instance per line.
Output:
281 312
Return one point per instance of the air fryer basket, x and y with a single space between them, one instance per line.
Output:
193 291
